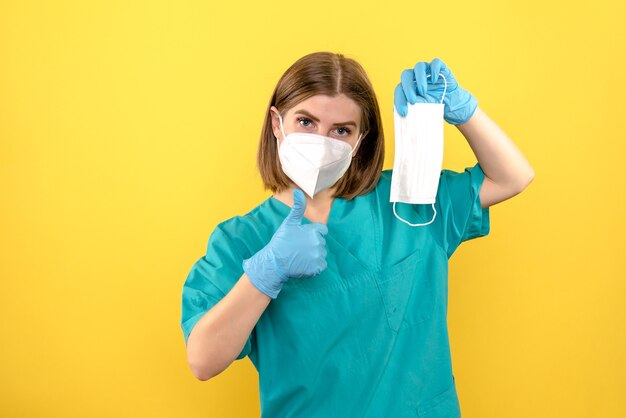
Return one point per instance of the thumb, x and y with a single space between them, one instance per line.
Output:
297 210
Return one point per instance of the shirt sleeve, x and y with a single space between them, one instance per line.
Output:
210 279
458 198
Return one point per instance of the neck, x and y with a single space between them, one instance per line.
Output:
321 202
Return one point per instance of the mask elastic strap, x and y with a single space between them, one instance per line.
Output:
281 126
357 143
445 86
408 223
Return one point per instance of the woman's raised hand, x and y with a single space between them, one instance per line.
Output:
424 84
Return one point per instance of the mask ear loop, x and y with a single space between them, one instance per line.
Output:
281 126
433 204
445 86
356 145
409 223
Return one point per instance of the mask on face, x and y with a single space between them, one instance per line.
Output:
419 155
314 162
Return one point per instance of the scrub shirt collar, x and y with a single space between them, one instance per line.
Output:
284 209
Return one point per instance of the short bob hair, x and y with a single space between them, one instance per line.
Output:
330 74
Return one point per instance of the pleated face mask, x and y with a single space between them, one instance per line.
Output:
418 155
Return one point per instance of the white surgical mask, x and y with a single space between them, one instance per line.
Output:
419 155
314 162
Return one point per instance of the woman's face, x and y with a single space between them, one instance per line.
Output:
337 116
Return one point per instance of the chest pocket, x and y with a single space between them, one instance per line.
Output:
406 291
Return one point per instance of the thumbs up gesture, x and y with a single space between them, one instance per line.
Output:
295 251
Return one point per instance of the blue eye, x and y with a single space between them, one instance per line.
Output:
304 122
307 123
345 131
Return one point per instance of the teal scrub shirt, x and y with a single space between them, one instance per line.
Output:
368 336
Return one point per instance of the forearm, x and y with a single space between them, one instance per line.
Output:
219 336
500 159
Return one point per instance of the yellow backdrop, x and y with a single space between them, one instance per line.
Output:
128 130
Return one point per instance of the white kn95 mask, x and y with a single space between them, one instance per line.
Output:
314 162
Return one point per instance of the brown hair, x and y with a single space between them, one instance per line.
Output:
329 74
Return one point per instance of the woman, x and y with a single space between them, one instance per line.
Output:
340 307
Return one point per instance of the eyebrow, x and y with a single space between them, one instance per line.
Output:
305 113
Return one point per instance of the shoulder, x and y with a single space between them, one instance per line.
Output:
385 177
384 182
243 231
474 173
238 224
462 182
381 194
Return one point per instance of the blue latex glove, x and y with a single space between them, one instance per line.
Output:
423 84
295 250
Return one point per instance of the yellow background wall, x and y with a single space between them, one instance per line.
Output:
128 130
